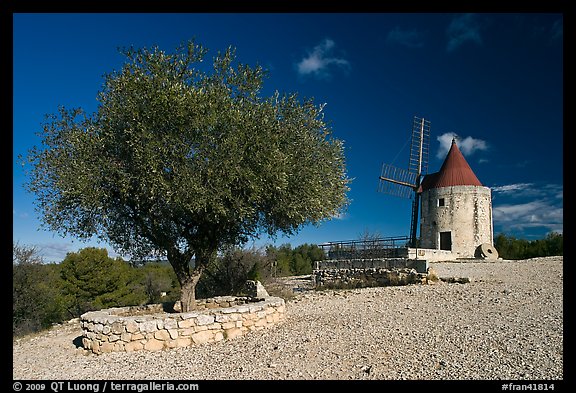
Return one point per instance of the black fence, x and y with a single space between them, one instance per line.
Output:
389 247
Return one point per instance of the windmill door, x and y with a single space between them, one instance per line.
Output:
446 241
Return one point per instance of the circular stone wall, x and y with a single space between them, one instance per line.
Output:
151 328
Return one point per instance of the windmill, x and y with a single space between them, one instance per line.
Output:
405 183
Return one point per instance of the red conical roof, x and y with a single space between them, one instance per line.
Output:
455 171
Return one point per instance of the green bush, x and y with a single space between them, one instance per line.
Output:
37 301
227 274
509 247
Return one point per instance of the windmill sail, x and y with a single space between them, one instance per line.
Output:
405 183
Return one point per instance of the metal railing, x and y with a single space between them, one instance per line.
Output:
389 247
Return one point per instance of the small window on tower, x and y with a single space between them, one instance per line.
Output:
440 201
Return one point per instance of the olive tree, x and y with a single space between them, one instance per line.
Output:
182 158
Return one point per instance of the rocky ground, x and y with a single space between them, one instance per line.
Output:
507 323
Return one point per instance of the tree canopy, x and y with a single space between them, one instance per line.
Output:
182 160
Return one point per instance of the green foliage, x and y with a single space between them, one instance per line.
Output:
154 279
181 162
509 247
300 265
94 281
282 257
44 294
36 298
298 261
227 274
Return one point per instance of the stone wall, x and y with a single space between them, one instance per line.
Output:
431 255
366 277
420 265
154 328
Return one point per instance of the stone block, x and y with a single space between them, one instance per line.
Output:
117 328
186 332
223 318
126 337
113 337
235 316
133 346
137 336
183 342
186 323
154 345
162 335
228 325
173 333
202 337
170 323
148 326
86 343
170 344
106 347
131 326
204 319
232 333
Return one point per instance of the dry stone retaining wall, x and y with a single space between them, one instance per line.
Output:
375 272
366 277
151 328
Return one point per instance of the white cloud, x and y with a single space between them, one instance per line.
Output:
511 188
410 38
544 212
462 29
19 214
56 251
529 190
529 215
466 145
321 59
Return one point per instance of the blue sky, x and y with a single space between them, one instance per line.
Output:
494 80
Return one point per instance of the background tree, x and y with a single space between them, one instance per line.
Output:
297 261
181 161
36 298
157 278
93 280
511 248
227 274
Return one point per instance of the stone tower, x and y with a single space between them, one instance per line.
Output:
456 210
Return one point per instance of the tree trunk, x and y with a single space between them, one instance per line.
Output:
188 289
188 279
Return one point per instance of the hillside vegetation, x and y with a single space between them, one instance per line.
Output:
48 293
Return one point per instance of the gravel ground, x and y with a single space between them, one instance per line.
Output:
507 323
